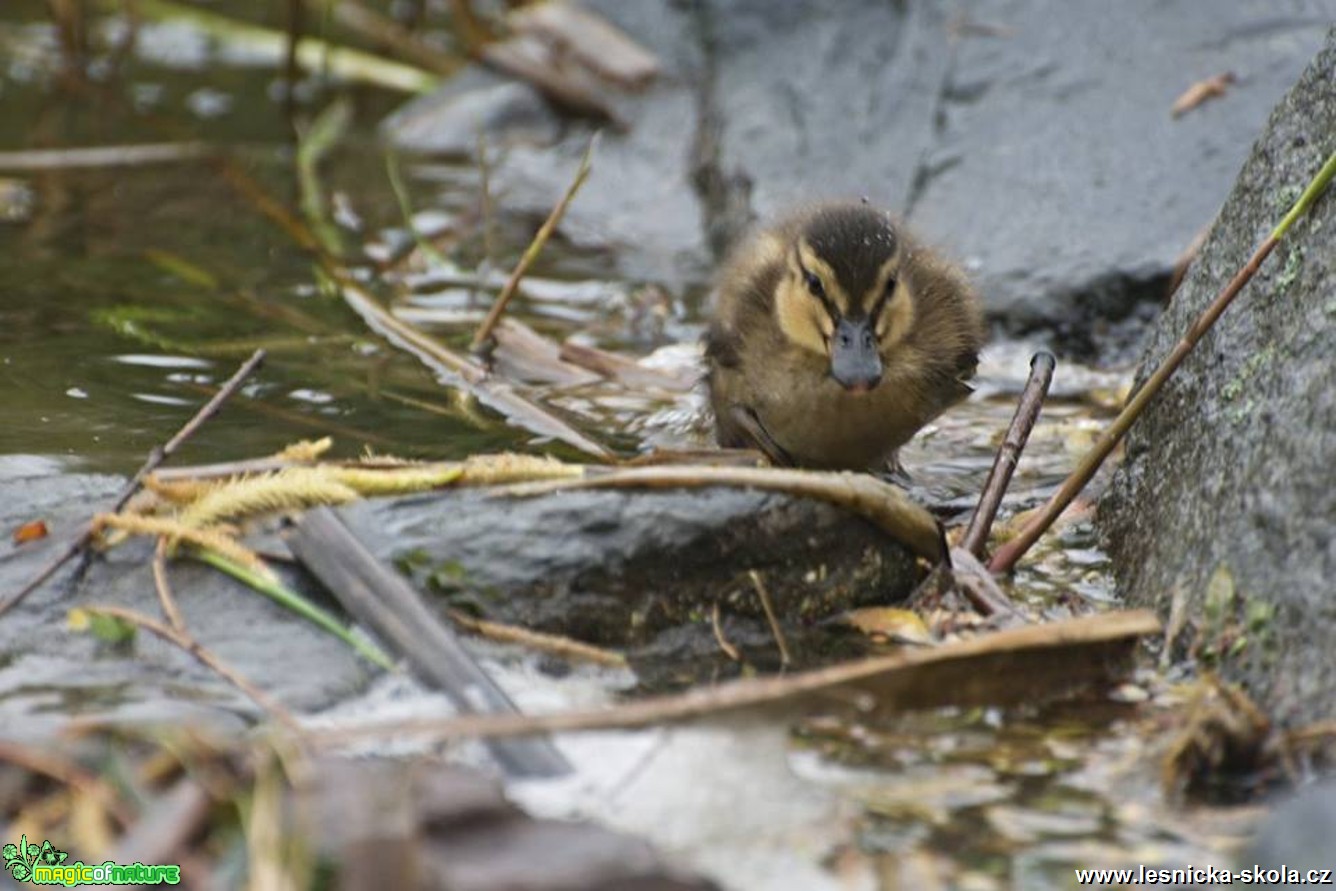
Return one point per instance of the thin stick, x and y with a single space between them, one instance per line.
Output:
105 156
186 641
501 396
400 191
67 772
405 44
724 644
484 333
764 596
169 607
158 455
977 584
1009 454
1006 556
554 644
901 681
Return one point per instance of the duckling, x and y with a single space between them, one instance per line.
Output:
835 338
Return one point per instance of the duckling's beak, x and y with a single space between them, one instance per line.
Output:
854 360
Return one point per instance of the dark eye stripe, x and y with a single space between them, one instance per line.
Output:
882 299
818 290
814 284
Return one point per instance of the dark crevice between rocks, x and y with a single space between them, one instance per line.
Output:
725 196
1107 318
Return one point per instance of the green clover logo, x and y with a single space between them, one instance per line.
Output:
20 858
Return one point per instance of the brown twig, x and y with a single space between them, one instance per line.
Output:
169 607
359 17
764 596
105 156
985 668
1007 555
484 332
158 455
184 640
555 644
68 773
1009 453
977 584
716 625
500 396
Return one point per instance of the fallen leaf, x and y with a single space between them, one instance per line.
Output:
109 629
33 530
1202 91
888 623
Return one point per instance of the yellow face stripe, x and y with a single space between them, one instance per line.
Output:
822 270
807 320
878 291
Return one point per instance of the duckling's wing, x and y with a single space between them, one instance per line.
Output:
751 425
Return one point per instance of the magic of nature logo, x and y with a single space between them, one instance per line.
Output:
44 864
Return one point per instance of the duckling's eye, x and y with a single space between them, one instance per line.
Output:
890 287
814 284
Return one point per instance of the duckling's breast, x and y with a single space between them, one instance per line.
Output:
821 424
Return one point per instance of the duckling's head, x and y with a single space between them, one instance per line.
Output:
842 295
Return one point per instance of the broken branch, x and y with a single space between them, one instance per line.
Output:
1009 454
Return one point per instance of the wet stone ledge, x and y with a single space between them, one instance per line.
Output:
640 570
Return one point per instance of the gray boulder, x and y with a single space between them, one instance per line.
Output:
643 570
1228 483
1033 140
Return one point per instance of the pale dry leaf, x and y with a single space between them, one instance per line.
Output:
1202 91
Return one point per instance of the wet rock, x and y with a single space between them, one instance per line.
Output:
449 122
627 569
638 200
1226 494
812 103
436 826
49 674
1299 834
1033 141
639 569
1057 170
